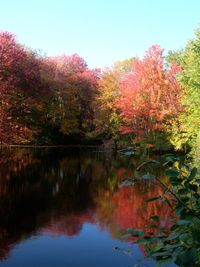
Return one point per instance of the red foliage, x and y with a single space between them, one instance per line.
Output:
19 80
77 83
132 211
149 95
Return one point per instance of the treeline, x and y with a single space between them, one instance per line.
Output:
154 101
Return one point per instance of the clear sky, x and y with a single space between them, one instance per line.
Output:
102 31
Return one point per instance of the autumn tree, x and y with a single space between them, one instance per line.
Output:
18 75
149 96
41 97
76 90
107 118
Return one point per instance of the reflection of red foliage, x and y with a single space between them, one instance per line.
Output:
111 210
12 162
133 212
124 173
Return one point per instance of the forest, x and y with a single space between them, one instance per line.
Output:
151 102
147 104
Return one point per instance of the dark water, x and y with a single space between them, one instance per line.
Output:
61 208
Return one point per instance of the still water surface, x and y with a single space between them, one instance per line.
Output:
61 208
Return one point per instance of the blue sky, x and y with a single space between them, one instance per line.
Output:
102 31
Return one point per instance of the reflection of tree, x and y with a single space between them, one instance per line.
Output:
132 211
70 224
12 162
52 192
57 193
127 208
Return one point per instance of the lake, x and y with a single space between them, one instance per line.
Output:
64 207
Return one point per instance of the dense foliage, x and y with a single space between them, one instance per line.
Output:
188 131
107 116
43 99
149 99
59 100
181 243
149 102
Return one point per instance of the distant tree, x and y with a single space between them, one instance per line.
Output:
149 96
19 75
76 91
107 118
189 79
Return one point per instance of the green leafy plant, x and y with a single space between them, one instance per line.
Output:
181 243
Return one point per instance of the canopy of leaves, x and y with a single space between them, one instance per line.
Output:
149 97
189 60
107 117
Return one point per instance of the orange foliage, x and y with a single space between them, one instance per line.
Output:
149 95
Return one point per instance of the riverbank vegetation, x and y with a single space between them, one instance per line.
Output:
153 102
180 243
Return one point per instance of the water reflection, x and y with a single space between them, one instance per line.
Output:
56 192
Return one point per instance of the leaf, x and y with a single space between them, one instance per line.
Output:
155 218
173 236
174 227
164 253
164 261
136 174
193 187
147 240
153 226
179 210
183 191
187 258
197 181
135 232
170 158
173 246
157 248
183 237
192 174
172 173
175 181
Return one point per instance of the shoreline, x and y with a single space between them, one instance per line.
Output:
50 146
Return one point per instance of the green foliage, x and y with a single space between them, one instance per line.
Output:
187 128
181 244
